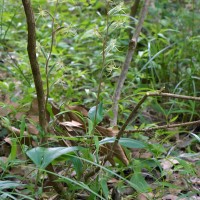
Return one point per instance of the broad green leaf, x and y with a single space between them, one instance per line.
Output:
90 127
96 115
126 142
10 184
131 143
140 183
78 166
42 157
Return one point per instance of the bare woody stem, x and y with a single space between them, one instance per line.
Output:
31 48
34 64
128 59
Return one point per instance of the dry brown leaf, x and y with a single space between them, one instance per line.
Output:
7 109
71 124
8 140
145 196
168 163
172 197
32 129
3 160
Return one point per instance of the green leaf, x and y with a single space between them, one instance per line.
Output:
10 184
196 136
141 185
174 119
22 126
126 142
78 166
13 152
130 143
104 187
96 115
90 127
42 157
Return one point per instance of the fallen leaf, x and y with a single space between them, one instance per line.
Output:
168 163
71 124
172 197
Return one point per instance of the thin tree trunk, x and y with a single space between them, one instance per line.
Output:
128 59
31 48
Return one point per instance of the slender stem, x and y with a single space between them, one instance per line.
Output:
50 52
31 47
104 41
127 62
34 63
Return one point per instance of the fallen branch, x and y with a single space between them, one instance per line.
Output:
168 126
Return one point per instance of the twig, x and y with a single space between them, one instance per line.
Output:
173 96
31 47
163 127
128 59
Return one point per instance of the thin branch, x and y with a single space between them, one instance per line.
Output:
34 63
174 96
128 59
31 47
164 127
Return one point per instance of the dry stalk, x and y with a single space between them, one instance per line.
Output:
128 59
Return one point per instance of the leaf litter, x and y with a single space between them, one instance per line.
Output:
180 170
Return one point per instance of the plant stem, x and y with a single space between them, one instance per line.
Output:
31 47
128 59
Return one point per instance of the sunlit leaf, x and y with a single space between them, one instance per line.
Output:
96 115
42 157
10 184
139 181
126 142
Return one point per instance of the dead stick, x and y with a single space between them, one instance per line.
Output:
164 127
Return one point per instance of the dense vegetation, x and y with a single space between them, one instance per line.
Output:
81 48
